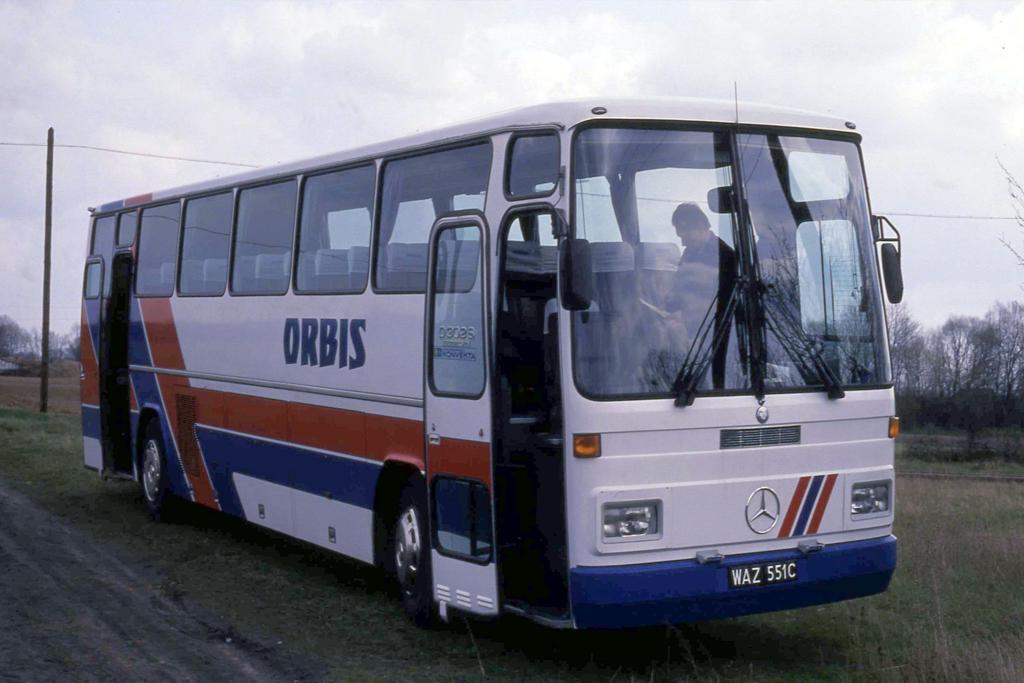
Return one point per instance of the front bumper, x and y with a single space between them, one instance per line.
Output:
685 591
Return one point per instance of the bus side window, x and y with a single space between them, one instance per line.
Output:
204 245
462 517
103 244
457 363
127 223
532 165
158 250
93 271
416 190
263 239
334 232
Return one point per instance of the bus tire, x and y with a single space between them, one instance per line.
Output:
153 470
411 552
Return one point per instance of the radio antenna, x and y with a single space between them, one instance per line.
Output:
736 100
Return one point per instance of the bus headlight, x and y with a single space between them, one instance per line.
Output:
630 520
870 497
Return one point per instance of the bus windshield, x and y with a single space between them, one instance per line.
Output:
693 295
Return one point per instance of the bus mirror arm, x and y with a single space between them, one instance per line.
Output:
891 253
575 275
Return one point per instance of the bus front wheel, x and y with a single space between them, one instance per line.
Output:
153 470
411 549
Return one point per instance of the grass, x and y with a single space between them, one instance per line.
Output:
953 613
994 453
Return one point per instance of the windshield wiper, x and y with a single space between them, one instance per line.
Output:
799 347
698 356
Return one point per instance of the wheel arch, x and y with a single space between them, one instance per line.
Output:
395 474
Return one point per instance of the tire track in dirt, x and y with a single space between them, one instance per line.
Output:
71 610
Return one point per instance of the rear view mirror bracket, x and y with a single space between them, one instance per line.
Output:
891 256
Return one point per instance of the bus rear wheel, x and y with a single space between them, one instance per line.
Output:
411 548
153 470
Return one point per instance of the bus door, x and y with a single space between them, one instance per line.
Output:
458 417
89 388
114 385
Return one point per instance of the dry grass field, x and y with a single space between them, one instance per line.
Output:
23 392
954 612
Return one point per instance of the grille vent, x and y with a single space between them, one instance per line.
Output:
187 444
756 437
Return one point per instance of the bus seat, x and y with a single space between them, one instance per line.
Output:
215 270
614 266
331 268
271 272
549 258
167 274
522 257
358 266
192 274
464 254
407 265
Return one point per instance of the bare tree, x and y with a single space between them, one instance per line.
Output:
1017 203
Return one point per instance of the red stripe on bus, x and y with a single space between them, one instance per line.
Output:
794 507
138 199
349 432
90 390
164 347
819 510
462 458
165 350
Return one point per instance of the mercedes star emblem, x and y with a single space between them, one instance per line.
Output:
762 510
762 413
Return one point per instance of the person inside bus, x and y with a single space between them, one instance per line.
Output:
706 268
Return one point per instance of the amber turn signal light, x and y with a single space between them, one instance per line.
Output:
586 445
894 427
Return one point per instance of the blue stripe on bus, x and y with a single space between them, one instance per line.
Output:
138 352
809 501
92 321
687 591
147 392
347 480
91 422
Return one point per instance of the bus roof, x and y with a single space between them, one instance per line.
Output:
565 114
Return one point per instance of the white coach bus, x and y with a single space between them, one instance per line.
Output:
599 364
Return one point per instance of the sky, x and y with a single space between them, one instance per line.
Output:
935 89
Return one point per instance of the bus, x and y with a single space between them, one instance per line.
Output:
597 364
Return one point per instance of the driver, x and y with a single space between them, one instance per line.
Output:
707 267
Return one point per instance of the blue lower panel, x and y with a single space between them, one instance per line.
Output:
677 592
348 480
90 422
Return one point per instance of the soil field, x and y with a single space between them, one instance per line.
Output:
91 588
23 392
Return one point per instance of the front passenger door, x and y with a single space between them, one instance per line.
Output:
458 417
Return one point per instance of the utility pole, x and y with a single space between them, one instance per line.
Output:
44 369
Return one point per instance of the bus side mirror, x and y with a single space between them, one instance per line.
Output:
575 274
892 272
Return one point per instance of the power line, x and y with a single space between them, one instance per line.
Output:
956 216
134 154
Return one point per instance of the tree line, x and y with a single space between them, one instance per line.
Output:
966 374
25 346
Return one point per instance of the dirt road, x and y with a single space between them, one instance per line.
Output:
69 610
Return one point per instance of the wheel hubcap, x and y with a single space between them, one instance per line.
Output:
407 549
151 470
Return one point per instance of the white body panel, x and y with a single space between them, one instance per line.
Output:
93 453
308 517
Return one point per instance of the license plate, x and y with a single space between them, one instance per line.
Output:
761 574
